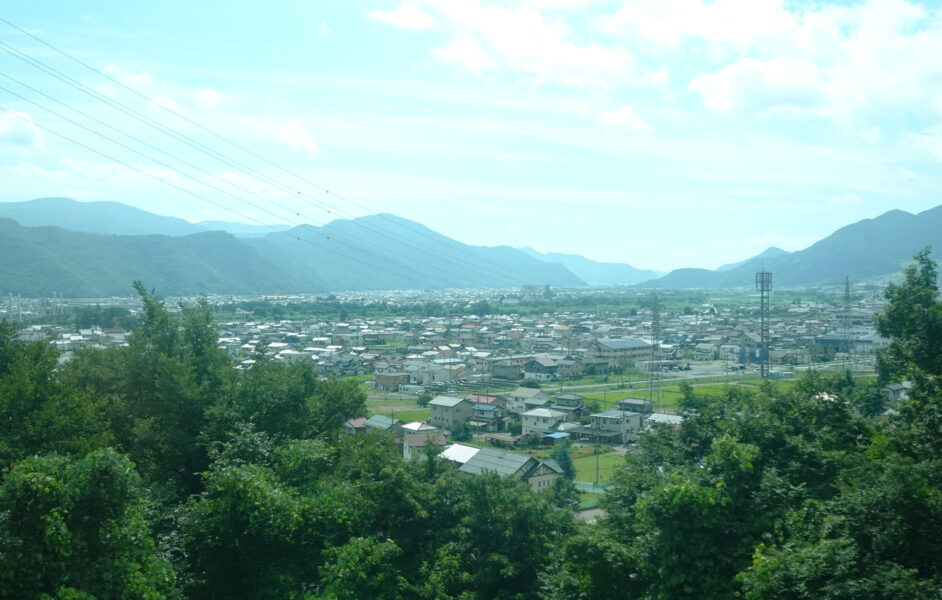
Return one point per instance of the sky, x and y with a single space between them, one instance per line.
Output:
659 133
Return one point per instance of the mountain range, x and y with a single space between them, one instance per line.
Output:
97 248
597 273
866 250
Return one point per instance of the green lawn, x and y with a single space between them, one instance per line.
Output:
407 416
608 465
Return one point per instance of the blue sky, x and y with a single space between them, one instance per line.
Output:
661 133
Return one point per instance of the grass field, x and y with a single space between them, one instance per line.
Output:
608 465
407 416
671 394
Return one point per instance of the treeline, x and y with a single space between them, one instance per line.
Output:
161 471
331 308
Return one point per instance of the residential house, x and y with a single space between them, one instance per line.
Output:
417 427
613 426
537 474
541 420
487 417
595 366
506 370
895 392
458 454
638 405
389 381
355 426
519 396
448 411
541 369
621 352
383 424
500 401
567 368
571 404
417 445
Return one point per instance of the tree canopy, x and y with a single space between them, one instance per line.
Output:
160 470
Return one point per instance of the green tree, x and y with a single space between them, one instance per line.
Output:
461 432
37 414
78 529
913 321
562 457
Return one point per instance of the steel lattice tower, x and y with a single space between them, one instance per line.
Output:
847 345
655 392
764 287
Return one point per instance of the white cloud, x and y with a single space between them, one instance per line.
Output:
209 99
290 132
738 23
845 200
844 63
467 52
529 39
773 84
929 142
166 102
405 16
17 129
626 118
872 134
322 30
140 78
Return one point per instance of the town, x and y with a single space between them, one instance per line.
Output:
476 371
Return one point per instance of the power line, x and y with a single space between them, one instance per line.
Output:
182 189
232 162
183 139
165 165
162 163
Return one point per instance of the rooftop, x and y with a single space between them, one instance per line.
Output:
497 461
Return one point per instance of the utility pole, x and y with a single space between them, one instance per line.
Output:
598 433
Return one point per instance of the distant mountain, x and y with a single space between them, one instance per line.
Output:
38 261
770 252
389 252
370 253
109 218
596 273
868 249
242 229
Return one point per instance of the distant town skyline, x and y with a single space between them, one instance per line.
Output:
663 134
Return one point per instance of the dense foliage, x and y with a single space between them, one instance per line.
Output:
160 471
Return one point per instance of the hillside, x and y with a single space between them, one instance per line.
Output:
770 252
110 218
371 253
868 249
388 252
38 261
